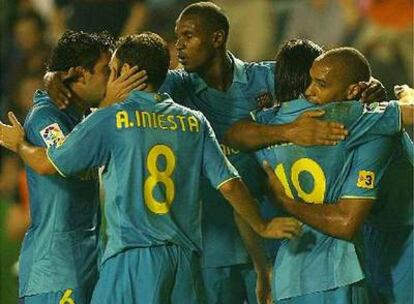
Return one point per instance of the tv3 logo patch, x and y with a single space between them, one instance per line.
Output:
366 179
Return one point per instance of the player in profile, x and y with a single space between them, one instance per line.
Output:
59 255
154 152
339 184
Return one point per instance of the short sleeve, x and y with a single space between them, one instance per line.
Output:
87 146
378 119
46 126
216 167
369 163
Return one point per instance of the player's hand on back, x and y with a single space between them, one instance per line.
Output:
309 130
11 136
118 88
372 91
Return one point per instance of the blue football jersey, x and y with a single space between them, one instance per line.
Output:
154 152
324 174
60 248
252 88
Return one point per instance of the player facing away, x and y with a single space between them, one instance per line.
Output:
154 152
332 189
59 255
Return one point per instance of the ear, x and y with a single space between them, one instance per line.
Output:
353 92
219 38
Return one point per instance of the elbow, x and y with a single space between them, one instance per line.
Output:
347 230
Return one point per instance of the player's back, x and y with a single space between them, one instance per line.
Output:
314 262
159 150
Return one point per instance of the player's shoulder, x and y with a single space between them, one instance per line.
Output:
43 109
263 68
265 115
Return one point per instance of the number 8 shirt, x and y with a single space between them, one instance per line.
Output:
317 262
154 152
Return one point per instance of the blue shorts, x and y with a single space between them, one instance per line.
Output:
151 275
233 284
350 294
81 295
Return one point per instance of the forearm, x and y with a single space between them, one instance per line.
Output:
247 135
254 245
243 203
327 218
136 19
36 158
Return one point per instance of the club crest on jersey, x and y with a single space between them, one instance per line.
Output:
375 107
264 100
52 135
366 179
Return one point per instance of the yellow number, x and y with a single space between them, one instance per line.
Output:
281 174
317 194
66 298
156 176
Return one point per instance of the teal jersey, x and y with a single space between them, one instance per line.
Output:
352 169
59 250
154 153
394 207
252 88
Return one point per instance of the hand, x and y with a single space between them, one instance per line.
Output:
12 136
404 93
264 287
372 91
307 130
276 188
282 228
118 89
59 93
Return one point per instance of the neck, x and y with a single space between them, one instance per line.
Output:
218 74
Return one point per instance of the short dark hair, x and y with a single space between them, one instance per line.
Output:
354 66
149 52
77 48
212 16
293 62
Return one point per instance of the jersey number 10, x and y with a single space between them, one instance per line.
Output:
317 194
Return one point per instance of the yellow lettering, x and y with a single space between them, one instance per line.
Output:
122 120
193 124
146 119
181 119
162 121
138 118
171 120
154 119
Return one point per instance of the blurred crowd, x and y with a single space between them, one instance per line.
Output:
381 29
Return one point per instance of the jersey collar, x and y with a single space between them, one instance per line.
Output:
239 75
150 96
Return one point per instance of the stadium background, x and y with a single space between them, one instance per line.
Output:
381 29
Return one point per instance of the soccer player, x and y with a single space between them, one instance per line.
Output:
154 152
225 89
331 190
59 255
58 259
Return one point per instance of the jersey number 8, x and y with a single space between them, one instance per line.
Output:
156 176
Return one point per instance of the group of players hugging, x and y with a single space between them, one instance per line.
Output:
285 181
